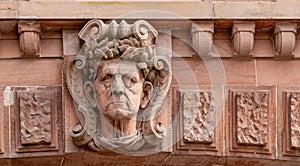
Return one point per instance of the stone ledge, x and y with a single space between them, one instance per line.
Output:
141 10
156 159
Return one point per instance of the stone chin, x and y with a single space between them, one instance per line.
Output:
117 113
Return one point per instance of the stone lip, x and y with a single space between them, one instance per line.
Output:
187 9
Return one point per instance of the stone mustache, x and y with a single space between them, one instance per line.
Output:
118 84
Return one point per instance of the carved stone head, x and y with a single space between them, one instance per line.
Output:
121 89
118 84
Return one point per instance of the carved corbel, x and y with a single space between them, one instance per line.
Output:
29 39
202 34
285 39
243 38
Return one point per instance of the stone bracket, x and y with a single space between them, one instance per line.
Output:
285 39
243 38
29 34
202 37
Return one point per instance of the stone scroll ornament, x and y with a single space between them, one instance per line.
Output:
119 84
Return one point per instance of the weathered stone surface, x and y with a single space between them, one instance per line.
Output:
185 159
71 42
35 117
274 138
256 10
51 48
10 49
37 72
36 121
295 120
252 121
285 39
198 117
45 10
216 10
288 122
263 39
8 9
278 72
213 71
164 41
120 80
243 38
3 126
29 39
202 35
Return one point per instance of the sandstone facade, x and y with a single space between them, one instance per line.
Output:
234 97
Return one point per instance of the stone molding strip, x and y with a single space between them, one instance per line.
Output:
233 39
43 9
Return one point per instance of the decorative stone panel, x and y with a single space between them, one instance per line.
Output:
291 123
3 124
199 122
294 122
251 122
198 117
37 119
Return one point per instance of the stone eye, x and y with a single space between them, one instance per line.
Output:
107 79
129 81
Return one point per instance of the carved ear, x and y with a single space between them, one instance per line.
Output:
147 93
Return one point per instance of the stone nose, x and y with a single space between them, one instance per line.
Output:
118 85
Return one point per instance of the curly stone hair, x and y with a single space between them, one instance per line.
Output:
126 49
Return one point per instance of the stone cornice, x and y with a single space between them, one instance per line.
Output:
84 9
231 38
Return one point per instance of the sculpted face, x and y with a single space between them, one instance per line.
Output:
119 88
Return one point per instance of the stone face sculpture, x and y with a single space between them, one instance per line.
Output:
118 84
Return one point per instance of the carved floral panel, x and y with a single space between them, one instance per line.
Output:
38 120
295 120
198 117
252 120
35 118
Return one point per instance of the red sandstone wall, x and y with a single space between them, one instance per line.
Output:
253 66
